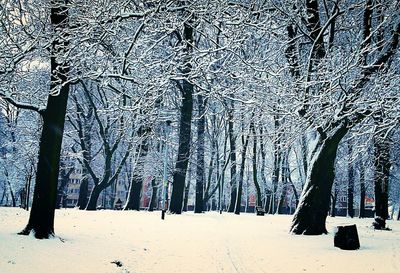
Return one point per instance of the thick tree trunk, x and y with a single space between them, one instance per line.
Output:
310 215
94 196
83 193
133 202
135 189
178 184
381 177
201 122
41 219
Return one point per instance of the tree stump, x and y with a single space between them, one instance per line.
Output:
346 237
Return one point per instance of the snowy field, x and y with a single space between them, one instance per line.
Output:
91 241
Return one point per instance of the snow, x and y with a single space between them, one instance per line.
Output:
142 242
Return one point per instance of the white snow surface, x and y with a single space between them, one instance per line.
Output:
88 242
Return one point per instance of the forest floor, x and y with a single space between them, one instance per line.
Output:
140 242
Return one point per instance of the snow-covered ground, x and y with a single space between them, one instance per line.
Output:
91 241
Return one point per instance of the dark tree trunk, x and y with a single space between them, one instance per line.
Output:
186 87
241 175
87 156
276 167
282 207
153 201
350 185
13 204
207 194
267 192
3 196
304 152
41 220
187 189
381 176
28 188
135 189
83 193
362 189
310 215
94 196
133 202
255 173
233 161
201 122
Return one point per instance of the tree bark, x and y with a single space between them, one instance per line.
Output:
186 88
276 167
362 189
83 193
135 189
381 176
241 175
94 196
310 215
201 122
153 201
255 173
350 185
41 219
282 208
187 188
233 160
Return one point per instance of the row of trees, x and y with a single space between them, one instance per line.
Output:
264 89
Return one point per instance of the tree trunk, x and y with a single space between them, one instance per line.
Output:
41 219
187 188
282 208
276 167
362 189
241 175
186 87
310 215
28 189
201 122
207 194
133 202
83 193
94 196
153 201
350 185
233 161
381 177
13 204
255 180
135 189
